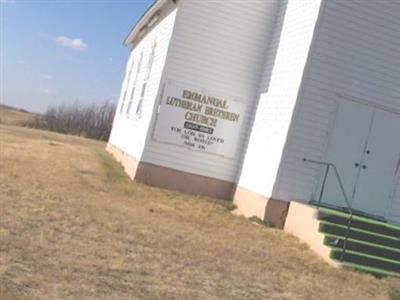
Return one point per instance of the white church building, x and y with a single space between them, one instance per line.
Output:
288 107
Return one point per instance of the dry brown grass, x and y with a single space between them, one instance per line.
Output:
14 117
73 226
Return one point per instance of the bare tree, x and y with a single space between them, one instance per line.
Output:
91 121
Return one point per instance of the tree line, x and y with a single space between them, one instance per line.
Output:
91 121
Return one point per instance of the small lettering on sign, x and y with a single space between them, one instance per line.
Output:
199 121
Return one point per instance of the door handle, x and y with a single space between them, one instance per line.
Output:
358 165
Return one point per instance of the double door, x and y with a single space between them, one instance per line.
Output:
365 148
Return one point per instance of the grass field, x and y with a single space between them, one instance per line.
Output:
73 226
11 116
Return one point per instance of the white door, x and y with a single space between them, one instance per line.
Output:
365 148
380 164
347 143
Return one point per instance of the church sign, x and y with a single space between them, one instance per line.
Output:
199 121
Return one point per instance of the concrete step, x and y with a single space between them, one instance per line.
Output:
360 222
362 247
365 260
374 271
372 246
359 234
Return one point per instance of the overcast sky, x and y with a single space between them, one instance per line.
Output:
55 52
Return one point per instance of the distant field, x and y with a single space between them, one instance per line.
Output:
73 226
12 116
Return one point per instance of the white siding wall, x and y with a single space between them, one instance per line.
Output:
129 131
394 213
219 46
278 94
355 53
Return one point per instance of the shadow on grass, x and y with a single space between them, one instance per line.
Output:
112 170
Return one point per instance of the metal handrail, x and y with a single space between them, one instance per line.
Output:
346 199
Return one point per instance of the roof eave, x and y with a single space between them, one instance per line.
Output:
141 24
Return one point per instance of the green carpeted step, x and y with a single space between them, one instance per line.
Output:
375 271
359 234
373 245
363 247
345 210
364 223
367 260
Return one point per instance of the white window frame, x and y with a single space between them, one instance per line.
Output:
145 81
138 68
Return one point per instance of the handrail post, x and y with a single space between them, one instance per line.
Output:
323 185
346 237
346 199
